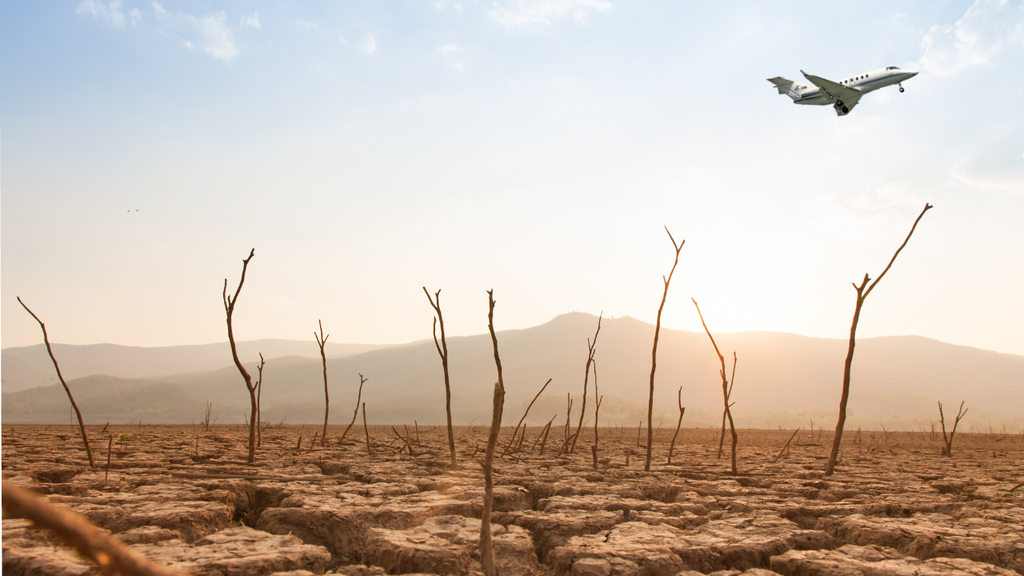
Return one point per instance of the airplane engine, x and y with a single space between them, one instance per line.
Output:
841 109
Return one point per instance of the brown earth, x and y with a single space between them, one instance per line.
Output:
185 497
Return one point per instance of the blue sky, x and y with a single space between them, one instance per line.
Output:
533 147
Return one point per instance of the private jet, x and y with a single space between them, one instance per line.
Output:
844 94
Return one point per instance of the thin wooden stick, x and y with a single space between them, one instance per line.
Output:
781 452
78 413
654 351
520 423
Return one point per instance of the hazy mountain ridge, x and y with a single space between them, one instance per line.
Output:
781 379
30 366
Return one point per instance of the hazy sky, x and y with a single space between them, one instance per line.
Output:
536 147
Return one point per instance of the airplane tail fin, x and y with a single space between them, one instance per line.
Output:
787 87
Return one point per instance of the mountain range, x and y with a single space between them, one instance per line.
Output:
781 379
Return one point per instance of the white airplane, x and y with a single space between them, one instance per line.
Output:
842 95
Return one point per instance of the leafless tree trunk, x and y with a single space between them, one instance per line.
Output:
682 410
356 412
486 548
321 341
259 395
442 350
586 373
654 351
726 386
948 450
229 310
728 395
78 413
597 410
862 295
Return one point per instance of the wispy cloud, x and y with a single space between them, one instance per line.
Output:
136 16
1005 175
210 32
527 12
450 57
253 21
111 13
367 44
307 23
986 27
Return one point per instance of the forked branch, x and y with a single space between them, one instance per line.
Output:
654 350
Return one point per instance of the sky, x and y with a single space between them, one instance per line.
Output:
538 148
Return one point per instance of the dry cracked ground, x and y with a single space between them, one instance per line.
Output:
185 497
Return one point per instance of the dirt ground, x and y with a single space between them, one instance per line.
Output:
185 497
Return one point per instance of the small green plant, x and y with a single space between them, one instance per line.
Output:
125 438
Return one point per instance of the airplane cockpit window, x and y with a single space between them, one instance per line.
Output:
891 68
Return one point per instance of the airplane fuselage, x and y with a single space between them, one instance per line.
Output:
867 82
842 94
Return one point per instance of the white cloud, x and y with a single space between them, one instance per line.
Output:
973 40
253 20
367 44
136 16
996 175
342 40
217 39
526 12
209 32
110 13
307 24
447 48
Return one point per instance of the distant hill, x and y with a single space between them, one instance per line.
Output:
781 380
30 366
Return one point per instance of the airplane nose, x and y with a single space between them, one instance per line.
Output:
910 73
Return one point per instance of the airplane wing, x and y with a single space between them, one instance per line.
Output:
834 89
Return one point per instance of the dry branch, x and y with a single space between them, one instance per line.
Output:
654 351
682 410
948 450
321 341
78 413
726 386
512 441
112 557
862 294
442 351
356 412
229 310
486 547
781 452
586 373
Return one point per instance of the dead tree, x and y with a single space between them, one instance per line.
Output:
229 310
78 413
442 350
728 396
948 450
105 551
597 411
586 373
726 386
862 293
259 395
321 341
355 413
682 410
654 351
486 547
